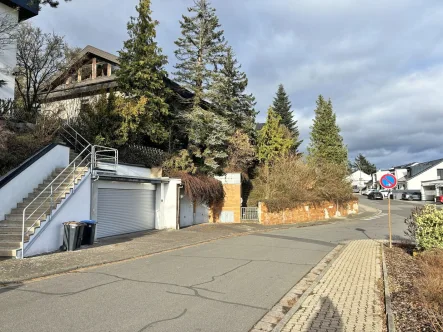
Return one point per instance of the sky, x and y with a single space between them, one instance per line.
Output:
380 62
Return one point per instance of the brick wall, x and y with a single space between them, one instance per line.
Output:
306 212
232 203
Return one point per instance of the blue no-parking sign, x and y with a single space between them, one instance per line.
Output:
388 181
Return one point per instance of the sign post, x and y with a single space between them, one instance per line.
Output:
389 181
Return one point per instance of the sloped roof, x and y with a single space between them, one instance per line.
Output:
259 126
422 167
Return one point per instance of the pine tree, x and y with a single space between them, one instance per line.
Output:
326 142
200 50
200 53
273 139
282 106
363 164
229 97
142 73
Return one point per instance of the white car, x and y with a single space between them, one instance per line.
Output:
385 192
368 191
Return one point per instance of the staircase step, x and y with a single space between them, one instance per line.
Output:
14 229
35 216
8 253
10 244
15 237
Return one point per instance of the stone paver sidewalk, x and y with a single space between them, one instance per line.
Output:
347 297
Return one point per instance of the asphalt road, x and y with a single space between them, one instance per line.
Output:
226 285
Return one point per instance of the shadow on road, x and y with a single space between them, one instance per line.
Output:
297 239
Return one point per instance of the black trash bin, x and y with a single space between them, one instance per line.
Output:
89 232
72 235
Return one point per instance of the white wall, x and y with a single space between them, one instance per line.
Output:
430 174
187 214
76 207
168 219
229 178
18 188
8 56
126 170
67 109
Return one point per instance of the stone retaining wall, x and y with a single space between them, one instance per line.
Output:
306 212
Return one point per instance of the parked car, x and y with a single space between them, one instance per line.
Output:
415 196
439 199
368 191
385 192
375 195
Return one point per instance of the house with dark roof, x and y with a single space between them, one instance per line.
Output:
11 13
89 75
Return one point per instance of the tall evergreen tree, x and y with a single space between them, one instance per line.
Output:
142 73
201 49
273 141
363 164
229 97
326 142
282 106
200 53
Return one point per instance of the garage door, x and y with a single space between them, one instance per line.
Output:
125 211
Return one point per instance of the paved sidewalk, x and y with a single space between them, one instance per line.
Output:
347 297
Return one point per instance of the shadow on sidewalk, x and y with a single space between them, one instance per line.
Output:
325 316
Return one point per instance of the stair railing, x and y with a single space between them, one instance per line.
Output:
67 181
94 157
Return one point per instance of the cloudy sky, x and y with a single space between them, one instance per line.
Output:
381 62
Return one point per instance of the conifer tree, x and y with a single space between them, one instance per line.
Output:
201 49
229 97
200 53
282 106
142 73
363 164
273 141
326 142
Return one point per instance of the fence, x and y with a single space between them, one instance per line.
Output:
249 213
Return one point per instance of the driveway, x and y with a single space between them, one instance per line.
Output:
226 285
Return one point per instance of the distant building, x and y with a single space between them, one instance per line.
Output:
359 179
12 12
425 177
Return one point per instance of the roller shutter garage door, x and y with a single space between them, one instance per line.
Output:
122 211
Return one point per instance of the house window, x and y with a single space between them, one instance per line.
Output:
440 174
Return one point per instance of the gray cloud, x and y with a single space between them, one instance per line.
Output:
379 62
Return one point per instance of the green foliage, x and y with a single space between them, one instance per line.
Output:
142 74
425 227
274 141
180 162
208 139
361 163
326 142
229 98
201 49
282 106
100 123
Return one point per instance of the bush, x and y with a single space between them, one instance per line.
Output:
291 182
425 227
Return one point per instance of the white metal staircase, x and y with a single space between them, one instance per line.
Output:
30 215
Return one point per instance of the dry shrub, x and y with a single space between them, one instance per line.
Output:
291 182
430 285
202 189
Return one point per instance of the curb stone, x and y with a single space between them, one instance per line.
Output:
278 316
388 306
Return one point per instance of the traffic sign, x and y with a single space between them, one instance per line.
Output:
388 181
